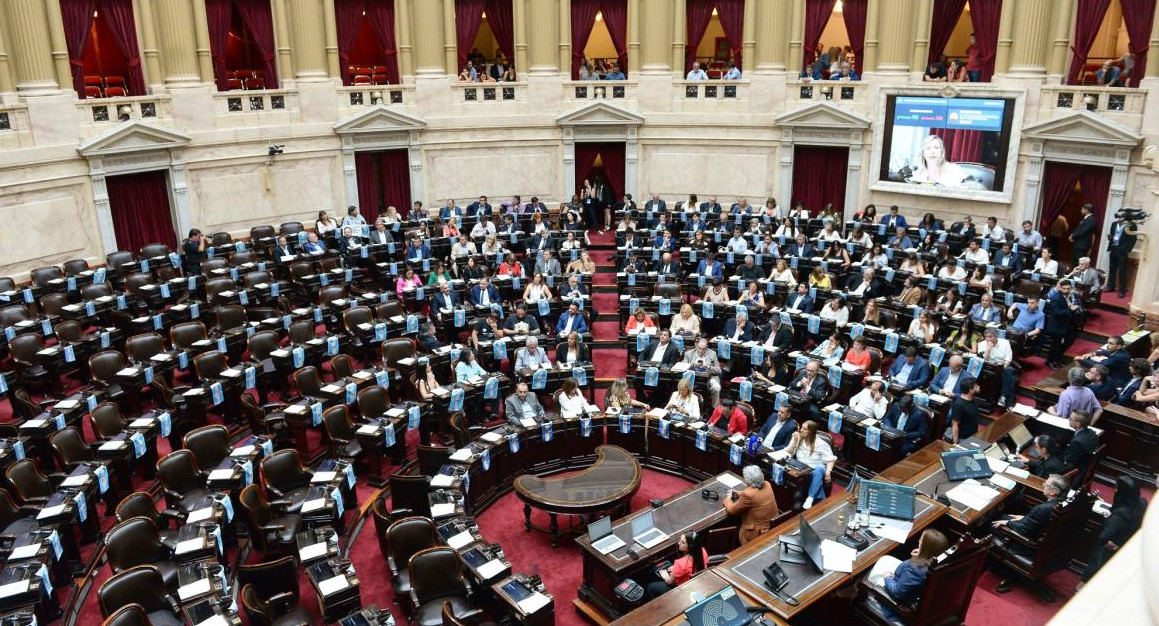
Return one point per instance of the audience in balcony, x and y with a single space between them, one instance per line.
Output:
696 73
974 60
733 72
935 73
956 72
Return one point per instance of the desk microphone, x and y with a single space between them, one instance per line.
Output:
940 498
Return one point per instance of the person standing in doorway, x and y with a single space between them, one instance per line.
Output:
1120 241
1083 234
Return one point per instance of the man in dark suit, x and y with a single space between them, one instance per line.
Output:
801 248
655 204
712 206
539 242
663 352
910 371
485 294
1120 241
738 328
910 419
444 302
778 336
863 284
1114 358
1033 524
696 222
1098 383
1083 234
380 235
480 208
778 429
894 219
281 251
1140 368
666 266
800 300
810 384
1080 452
1007 258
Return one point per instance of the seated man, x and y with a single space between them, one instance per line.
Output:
778 429
702 359
1033 524
485 294
571 321
548 265
444 302
1098 383
662 352
523 405
1080 452
520 323
985 312
417 250
910 419
573 288
749 271
711 269
948 380
900 240
666 266
799 300
810 384
313 246
910 371
863 284
486 329
739 328
1028 319
1113 357
997 350
531 357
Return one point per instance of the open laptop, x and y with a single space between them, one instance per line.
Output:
723 608
600 534
644 531
964 464
1020 436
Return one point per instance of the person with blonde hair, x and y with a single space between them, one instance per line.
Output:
686 323
639 322
814 451
934 169
684 401
907 580
619 398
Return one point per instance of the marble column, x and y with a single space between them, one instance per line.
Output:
1153 53
7 82
922 35
1061 27
680 41
1005 39
58 42
307 23
176 28
543 21
26 22
564 38
450 34
201 33
749 43
772 34
869 62
333 66
656 55
520 8
402 38
151 61
895 40
1032 26
634 50
283 41
427 36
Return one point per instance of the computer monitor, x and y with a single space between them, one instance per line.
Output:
964 464
723 608
1021 436
600 528
642 523
811 544
887 499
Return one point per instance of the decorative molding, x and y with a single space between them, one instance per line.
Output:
600 114
1083 127
823 115
379 119
132 136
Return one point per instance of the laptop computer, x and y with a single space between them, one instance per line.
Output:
963 464
644 531
1021 437
723 608
887 499
601 537
803 546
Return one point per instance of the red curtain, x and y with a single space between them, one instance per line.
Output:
1096 184
347 20
1088 19
1138 16
731 15
819 176
140 207
118 16
986 18
945 18
260 22
611 153
1058 183
219 14
817 14
855 12
616 19
961 145
381 16
585 159
501 18
383 180
583 20
699 15
348 16
78 22
468 18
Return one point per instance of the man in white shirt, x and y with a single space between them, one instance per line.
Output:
975 254
531 357
993 230
738 243
663 352
870 401
696 73
998 350
952 271
463 247
483 228
702 359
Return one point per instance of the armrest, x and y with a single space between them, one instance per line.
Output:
278 493
393 567
882 596
273 527
39 501
339 440
170 514
27 510
282 602
1017 537
280 504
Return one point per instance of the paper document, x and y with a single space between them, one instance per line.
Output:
221 474
442 480
837 557
445 509
999 480
242 451
730 481
973 494
462 455
533 602
313 505
200 587
333 585
1025 409
893 529
1017 472
189 545
491 569
313 551
461 540
24 552
491 437
75 481
199 515
323 477
885 565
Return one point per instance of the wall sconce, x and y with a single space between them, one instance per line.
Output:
827 91
1090 102
376 97
124 112
272 151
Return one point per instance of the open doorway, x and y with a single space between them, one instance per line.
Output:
715 30
603 160
140 208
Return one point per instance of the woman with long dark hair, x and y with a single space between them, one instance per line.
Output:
1125 518
693 558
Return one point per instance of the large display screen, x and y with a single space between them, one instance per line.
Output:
947 143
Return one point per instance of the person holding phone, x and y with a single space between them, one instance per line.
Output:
693 558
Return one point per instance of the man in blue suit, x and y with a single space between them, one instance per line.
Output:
485 294
417 250
948 380
910 371
800 300
1007 258
985 312
1140 368
778 429
739 328
449 210
571 321
909 418
665 241
1114 358
696 223
711 268
894 219
445 301
480 207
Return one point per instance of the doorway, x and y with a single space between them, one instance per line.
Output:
141 211
1066 188
603 160
383 180
819 176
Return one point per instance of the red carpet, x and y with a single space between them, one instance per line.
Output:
610 362
1104 322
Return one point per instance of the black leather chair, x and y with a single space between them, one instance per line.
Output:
103 368
269 593
128 615
286 479
436 578
405 538
230 317
14 521
144 586
31 486
408 495
72 267
154 250
181 481
260 423
272 531
43 276
432 458
382 521
209 445
141 347
1035 559
373 401
136 541
29 372
140 504
308 382
341 434
945 599
184 335
342 366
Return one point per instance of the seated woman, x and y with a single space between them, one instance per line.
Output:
693 558
570 242
831 350
835 310
981 279
573 351
536 290
875 258
472 270
906 582
782 273
861 238
491 245
716 293
814 451
858 355
836 253
510 267
872 316
468 366
686 323
700 242
538 226
582 265
1046 263
752 296
923 327
949 303
639 322
685 402
425 382
956 73
829 232
913 265
571 399
734 421
964 338
439 275
451 228
619 398
407 282
952 272
819 279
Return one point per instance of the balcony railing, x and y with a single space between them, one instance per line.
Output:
712 89
1094 98
255 106
15 129
100 111
599 90
370 95
472 93
826 90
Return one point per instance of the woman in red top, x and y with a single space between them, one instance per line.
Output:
510 267
858 356
738 422
693 558
639 323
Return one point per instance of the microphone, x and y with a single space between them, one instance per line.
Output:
943 499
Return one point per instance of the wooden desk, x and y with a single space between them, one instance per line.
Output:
668 609
744 565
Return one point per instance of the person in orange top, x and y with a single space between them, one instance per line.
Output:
693 558
510 267
639 323
858 356
738 422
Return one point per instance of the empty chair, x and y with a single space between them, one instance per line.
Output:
43 276
119 259
29 372
342 366
287 480
184 335
217 285
107 420
144 346
382 521
220 238
128 615
144 586
13 521
209 445
10 315
72 267
265 231
436 577
154 250
134 542
308 382
256 278
291 228
270 530
210 267
301 332
340 432
181 481
432 458
373 402
408 494
405 538
261 424
209 365
140 504
243 257
69 331
95 290
103 368
31 486
230 317
70 448
52 304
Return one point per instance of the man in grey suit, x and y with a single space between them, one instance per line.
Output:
531 357
523 405
701 359
548 265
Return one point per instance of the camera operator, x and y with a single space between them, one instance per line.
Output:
1120 240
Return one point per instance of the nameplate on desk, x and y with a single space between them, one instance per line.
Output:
313 505
445 509
189 545
333 585
198 515
323 477
490 569
194 589
221 474
461 540
313 551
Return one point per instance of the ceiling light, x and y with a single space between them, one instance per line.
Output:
484 15
599 16
714 14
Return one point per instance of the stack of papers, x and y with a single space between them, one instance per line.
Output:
313 551
461 540
1025 409
730 481
490 569
323 477
442 480
443 510
533 602
973 494
837 557
893 529
194 589
313 505
461 455
221 474
333 585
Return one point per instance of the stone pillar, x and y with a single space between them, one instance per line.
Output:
772 34
543 50
26 22
680 41
332 61
1005 39
564 21
7 83
283 41
1028 50
871 39
634 50
201 33
1153 54
426 30
895 41
450 34
176 30
749 43
519 8
1061 28
59 43
657 57
151 62
309 39
925 10
406 65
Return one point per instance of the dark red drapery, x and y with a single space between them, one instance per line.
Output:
616 19
583 20
731 16
817 14
347 21
348 17
819 176
699 15
468 18
945 19
381 16
612 155
1088 19
501 18
961 145
1058 182
118 16
78 21
219 14
1138 17
986 18
259 22
383 180
140 207
855 12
